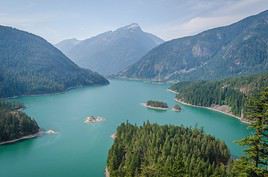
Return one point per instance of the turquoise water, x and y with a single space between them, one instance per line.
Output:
80 150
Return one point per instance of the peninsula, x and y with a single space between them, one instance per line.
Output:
15 125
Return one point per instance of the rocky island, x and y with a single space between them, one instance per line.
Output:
93 119
158 105
176 108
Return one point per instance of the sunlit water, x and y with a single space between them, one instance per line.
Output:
79 149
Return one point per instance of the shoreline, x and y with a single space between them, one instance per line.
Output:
113 136
54 93
210 108
107 174
39 133
155 108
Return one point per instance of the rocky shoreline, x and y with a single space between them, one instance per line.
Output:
216 108
23 138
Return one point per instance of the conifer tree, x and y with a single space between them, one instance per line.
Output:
256 158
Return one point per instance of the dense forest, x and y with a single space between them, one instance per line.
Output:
152 150
31 65
233 92
15 124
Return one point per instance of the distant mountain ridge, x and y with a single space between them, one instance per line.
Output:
111 51
237 49
31 65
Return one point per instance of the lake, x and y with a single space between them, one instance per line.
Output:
79 149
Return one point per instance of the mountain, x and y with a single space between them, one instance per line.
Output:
31 65
67 45
230 95
112 51
237 49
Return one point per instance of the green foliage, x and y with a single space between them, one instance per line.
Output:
256 158
166 151
232 91
30 65
14 123
157 104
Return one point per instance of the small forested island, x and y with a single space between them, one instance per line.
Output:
176 108
14 124
153 150
93 119
159 105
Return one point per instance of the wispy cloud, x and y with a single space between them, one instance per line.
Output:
169 19
219 14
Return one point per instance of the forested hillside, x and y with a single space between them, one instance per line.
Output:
15 124
166 151
237 49
31 65
233 92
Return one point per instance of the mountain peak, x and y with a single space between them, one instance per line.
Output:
132 26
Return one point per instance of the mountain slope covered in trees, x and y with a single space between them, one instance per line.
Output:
112 51
15 124
31 65
237 49
233 92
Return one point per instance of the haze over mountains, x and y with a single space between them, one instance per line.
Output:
31 65
112 51
237 49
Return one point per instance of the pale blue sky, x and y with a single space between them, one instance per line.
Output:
56 20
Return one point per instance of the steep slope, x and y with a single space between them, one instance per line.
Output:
112 51
229 94
30 65
236 49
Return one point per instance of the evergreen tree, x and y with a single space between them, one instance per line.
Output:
256 160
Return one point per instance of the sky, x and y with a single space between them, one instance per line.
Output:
56 20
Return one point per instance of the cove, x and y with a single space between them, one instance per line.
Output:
79 149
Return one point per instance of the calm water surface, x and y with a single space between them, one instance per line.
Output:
80 150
